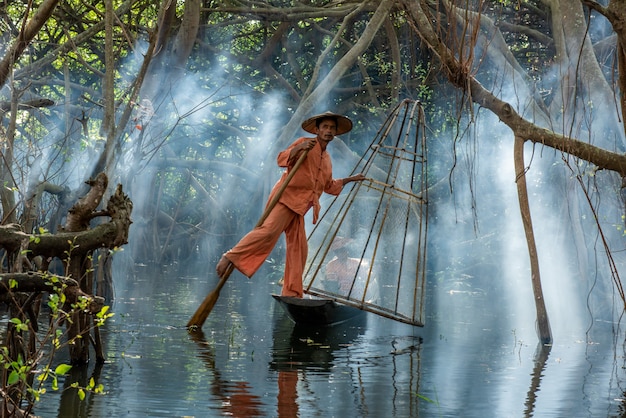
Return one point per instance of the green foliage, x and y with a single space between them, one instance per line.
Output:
102 316
36 238
47 373
19 325
72 247
427 399
20 370
91 387
56 299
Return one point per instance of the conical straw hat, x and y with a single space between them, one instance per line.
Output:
344 124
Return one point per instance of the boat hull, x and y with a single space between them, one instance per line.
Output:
321 312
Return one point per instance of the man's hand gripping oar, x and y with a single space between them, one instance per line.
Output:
205 308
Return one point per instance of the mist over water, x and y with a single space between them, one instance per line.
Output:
252 359
477 243
480 282
476 356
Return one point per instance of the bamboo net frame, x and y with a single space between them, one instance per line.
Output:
370 243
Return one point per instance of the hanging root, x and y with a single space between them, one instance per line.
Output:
623 195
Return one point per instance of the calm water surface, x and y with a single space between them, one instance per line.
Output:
250 361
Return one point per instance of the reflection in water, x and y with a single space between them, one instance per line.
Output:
235 397
71 404
541 357
255 362
299 350
310 347
287 394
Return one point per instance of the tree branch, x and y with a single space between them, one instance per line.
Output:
26 35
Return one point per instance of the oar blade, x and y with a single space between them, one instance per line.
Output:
203 311
205 308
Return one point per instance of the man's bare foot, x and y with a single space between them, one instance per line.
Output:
222 265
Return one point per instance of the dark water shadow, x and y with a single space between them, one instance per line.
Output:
236 398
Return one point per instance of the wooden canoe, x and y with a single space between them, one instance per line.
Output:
320 312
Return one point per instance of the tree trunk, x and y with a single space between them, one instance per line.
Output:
543 323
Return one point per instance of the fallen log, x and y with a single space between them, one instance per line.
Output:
33 282
106 235
11 283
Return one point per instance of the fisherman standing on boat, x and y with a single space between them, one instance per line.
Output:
302 193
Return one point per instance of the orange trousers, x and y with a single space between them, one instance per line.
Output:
252 250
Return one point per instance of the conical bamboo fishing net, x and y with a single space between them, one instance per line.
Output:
368 249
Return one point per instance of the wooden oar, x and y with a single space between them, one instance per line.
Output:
205 308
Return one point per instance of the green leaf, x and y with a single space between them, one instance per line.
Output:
43 376
81 394
14 377
103 311
62 369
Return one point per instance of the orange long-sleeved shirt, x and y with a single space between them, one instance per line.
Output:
314 177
